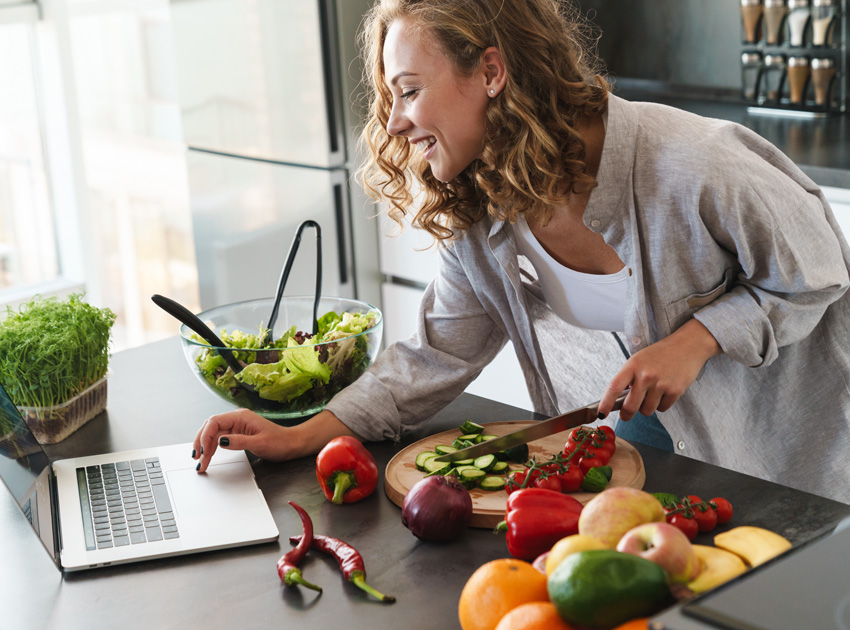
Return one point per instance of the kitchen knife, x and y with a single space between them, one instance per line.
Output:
583 415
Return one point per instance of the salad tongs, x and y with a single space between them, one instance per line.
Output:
266 339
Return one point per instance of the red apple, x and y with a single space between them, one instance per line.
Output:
665 545
614 511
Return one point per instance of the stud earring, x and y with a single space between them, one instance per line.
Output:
492 91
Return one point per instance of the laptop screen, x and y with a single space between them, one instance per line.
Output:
25 469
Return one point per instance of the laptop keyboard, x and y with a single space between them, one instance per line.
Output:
125 503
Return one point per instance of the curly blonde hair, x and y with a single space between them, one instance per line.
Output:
553 82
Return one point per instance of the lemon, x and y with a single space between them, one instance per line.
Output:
568 546
603 587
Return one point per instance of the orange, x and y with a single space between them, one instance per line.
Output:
641 623
496 588
534 616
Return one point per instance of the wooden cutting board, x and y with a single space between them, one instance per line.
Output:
488 507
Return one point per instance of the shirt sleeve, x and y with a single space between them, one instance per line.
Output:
411 380
793 260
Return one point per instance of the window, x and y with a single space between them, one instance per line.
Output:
93 185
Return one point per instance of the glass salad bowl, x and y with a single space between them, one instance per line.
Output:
298 373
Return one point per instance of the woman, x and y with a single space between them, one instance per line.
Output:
718 259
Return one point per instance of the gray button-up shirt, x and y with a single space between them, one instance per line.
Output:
714 223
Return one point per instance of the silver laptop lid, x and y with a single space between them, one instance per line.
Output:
26 472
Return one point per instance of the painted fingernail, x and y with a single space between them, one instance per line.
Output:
194 453
198 467
601 415
224 441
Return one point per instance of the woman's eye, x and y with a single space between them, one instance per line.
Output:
408 93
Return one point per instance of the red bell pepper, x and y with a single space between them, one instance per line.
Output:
536 518
346 471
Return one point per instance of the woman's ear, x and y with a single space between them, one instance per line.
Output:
495 74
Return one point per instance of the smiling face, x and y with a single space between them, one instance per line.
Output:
440 112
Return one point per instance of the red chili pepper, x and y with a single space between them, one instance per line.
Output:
287 566
346 471
535 519
349 559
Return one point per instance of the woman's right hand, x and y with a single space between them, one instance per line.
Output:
243 429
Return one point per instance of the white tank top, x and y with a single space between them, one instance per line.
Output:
586 300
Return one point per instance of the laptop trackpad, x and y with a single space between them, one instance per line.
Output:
224 487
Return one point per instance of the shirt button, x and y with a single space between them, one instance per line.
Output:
636 341
681 445
595 223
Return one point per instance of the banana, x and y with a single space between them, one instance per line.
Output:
754 544
716 567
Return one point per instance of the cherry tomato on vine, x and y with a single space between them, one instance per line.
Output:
688 525
571 478
609 432
515 481
603 454
551 482
704 515
588 462
724 510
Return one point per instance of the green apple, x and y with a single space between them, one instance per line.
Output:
614 511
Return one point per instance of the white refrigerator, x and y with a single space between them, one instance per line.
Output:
265 91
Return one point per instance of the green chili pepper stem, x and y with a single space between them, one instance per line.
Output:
358 578
293 576
342 482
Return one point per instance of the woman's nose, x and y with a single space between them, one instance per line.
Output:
397 123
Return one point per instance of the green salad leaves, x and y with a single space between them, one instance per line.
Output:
306 369
52 349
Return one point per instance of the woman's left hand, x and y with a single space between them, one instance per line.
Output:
659 374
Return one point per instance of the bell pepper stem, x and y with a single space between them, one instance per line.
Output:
342 482
358 578
294 577
501 527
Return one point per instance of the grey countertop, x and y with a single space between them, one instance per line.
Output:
819 146
154 400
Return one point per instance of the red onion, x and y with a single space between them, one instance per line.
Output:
437 508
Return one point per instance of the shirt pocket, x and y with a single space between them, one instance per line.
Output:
682 310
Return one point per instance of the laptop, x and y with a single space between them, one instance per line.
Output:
807 587
116 508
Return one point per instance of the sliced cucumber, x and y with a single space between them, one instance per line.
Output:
471 427
518 453
459 444
444 450
423 457
499 467
485 462
492 483
471 476
436 468
484 438
464 462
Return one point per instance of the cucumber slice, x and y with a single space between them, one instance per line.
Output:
492 483
499 467
471 427
444 450
471 476
459 444
485 462
464 462
484 438
436 468
422 457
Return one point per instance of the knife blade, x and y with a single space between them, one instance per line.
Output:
574 418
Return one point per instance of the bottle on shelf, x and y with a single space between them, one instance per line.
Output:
751 66
751 15
823 17
771 80
823 72
774 18
799 15
798 77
